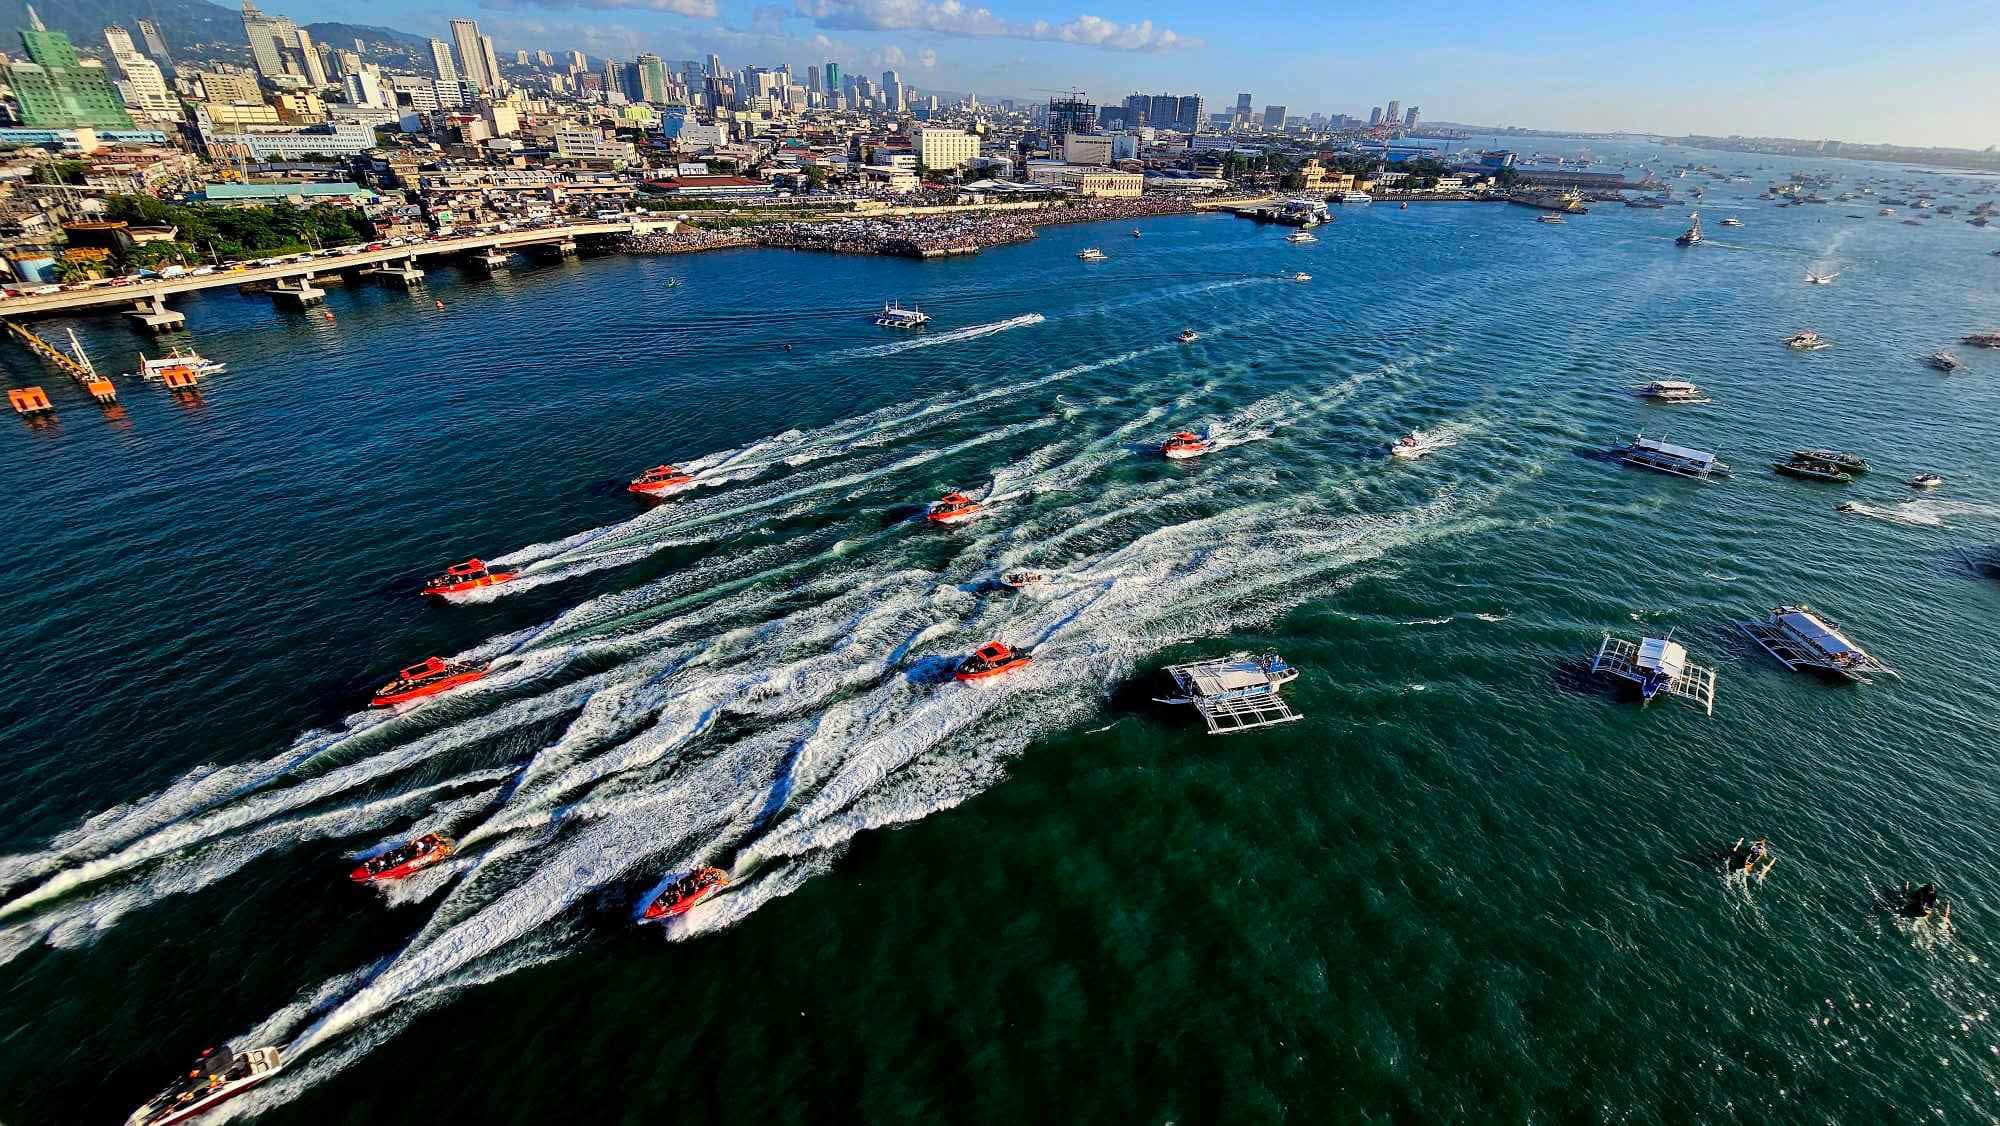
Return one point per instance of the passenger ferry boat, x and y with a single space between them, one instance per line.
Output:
1556 219
1671 391
1301 237
216 1077
952 508
1657 665
659 481
1664 457
1418 443
990 660
683 894
1353 196
404 860
428 678
469 575
1800 638
1692 235
893 315
1092 254
1944 361
155 368
1234 693
1183 445
1806 340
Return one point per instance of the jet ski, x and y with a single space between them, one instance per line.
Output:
952 508
1184 445
404 860
433 676
215 1077
469 575
990 659
660 480
681 896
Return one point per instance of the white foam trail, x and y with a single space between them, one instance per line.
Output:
955 336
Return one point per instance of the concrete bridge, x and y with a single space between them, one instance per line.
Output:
145 300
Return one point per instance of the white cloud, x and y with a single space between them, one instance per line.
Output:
951 17
892 55
699 9
927 59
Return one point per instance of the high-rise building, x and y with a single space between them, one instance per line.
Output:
1374 117
495 82
447 71
365 88
1274 117
832 75
1410 119
715 66
579 60
471 56
614 77
652 78
1393 114
1243 110
520 58
265 42
309 58
1164 111
118 39
892 91
144 89
229 89
544 59
55 90
156 44
812 79
1070 114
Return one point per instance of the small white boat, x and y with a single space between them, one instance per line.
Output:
1092 254
154 368
1813 278
1806 340
1926 481
1671 391
1299 238
1944 361
1302 276
893 315
218 1076
1732 221
1553 219
1418 443
1188 336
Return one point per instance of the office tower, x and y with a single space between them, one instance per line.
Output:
471 57
492 63
360 48
812 79
156 44
892 91
441 62
1410 118
652 78
118 39
364 89
1393 114
715 66
1374 117
144 88
262 31
614 77
309 56
544 59
832 73
55 89
1243 107
520 58
579 60
1274 117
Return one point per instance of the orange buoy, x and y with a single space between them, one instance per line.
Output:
29 400
101 389
440 304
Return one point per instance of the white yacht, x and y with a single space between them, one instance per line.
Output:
1302 276
1352 196
1092 254
1806 340
893 315
1671 391
1732 221
1418 443
1301 237
1664 457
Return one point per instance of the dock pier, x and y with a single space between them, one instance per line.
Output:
492 260
151 314
403 274
297 292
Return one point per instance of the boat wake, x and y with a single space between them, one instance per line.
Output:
955 336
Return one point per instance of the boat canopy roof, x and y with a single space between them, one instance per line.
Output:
1659 654
1668 449
1215 679
1811 628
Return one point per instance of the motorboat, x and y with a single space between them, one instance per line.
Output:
1851 463
1135 233
470 575
1692 235
893 315
404 860
1984 340
683 894
952 508
1301 237
1234 693
1926 481
1092 254
1732 221
659 481
215 1077
1671 391
432 676
1553 219
1188 336
1806 340
990 660
1811 470
1814 278
1417 443
1017 580
1944 361
1302 276
1183 445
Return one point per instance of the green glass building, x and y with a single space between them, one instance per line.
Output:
56 91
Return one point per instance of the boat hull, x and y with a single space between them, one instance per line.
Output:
949 519
446 590
442 684
200 1106
408 867
991 671
1185 453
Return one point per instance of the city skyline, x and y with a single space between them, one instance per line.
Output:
1754 70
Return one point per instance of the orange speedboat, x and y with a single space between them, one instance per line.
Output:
433 676
990 659
469 575
660 480
404 860
680 896
1184 445
952 508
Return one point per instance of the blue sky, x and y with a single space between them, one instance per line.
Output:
1848 70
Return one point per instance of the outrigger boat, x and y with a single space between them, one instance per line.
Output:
1806 340
681 896
1188 336
404 860
469 575
659 481
1944 361
1183 445
952 508
154 369
1801 639
1664 457
989 660
893 315
1092 254
1671 391
429 678
1234 693
1418 443
1656 665
217 1076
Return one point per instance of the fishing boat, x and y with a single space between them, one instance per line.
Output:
952 508
1806 340
1092 254
469 575
1418 443
1018 580
1801 638
1814 278
1732 221
1944 361
1984 340
428 678
1692 235
217 1076
1851 463
1926 481
990 660
1183 445
404 860
659 481
1671 391
1298 238
1188 336
155 368
683 894
1555 220
1302 276
1810 470
1234 693
1664 457
1657 665
893 315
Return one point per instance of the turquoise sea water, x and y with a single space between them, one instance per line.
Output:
1467 886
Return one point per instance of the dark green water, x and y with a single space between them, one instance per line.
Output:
1467 886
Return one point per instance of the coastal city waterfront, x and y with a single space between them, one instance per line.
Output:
997 649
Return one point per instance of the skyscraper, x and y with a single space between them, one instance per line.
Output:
614 77
892 91
1274 117
652 78
1393 114
118 39
715 66
471 57
493 79
1071 114
579 60
1374 117
832 78
55 90
441 61
156 45
262 31
812 79
309 57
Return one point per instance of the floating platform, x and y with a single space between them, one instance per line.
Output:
29 400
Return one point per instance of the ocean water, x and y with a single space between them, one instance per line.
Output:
1468 885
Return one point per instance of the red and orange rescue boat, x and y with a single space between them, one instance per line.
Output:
469 575
680 896
1184 445
990 659
660 480
433 676
952 508
403 860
